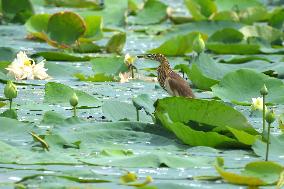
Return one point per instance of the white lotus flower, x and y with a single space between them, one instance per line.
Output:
24 67
257 104
124 77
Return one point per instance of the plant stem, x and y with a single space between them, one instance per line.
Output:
132 72
11 101
137 114
263 115
74 111
268 142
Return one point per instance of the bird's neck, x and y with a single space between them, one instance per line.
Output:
165 67
163 71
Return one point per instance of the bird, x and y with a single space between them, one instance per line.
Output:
169 80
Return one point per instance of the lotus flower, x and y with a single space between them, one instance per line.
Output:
24 67
257 104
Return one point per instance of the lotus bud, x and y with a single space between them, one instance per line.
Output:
198 44
129 60
10 90
270 117
263 90
74 100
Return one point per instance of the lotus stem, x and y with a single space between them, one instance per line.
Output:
74 111
137 114
11 101
268 142
132 72
263 115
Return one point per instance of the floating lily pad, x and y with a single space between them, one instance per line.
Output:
116 43
117 111
17 11
242 85
236 4
201 9
37 25
153 12
254 174
65 28
109 65
61 56
206 72
176 46
57 93
275 153
94 25
74 3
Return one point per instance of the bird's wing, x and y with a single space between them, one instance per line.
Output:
179 86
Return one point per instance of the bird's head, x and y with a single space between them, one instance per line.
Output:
157 57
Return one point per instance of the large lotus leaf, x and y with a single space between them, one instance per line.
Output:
109 65
61 56
206 72
176 46
254 14
74 3
230 41
57 93
65 28
266 32
153 12
256 173
144 101
153 161
116 111
234 48
210 117
37 25
198 138
113 14
277 18
206 27
116 43
100 77
7 54
226 16
11 154
276 153
226 35
242 85
211 113
94 25
224 5
17 11
62 70
201 9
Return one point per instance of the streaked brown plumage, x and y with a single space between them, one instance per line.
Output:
169 80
